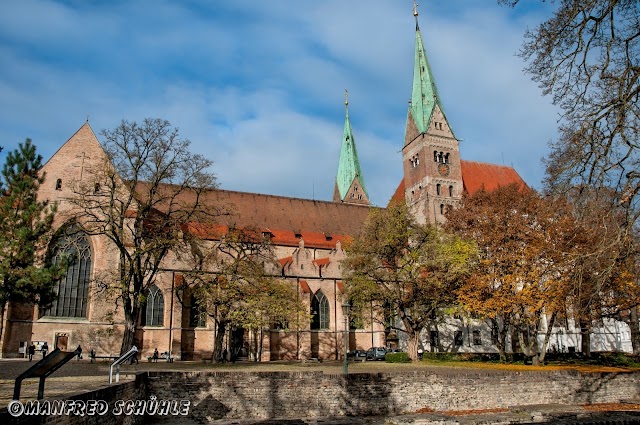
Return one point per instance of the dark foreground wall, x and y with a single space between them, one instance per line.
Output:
294 395
131 390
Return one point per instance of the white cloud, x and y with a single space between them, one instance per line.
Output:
258 86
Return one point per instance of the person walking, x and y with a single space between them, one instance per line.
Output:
31 351
155 355
79 352
134 356
44 349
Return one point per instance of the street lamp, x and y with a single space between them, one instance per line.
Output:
346 312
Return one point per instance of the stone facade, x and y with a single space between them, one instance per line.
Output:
432 170
307 237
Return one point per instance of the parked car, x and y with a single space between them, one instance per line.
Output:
357 355
376 353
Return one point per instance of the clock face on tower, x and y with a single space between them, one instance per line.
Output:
443 169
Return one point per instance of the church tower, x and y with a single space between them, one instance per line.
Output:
431 155
349 186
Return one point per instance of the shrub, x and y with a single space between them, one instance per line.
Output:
397 358
440 357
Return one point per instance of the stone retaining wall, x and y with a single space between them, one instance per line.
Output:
217 395
243 395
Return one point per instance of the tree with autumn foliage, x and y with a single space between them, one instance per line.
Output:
233 281
411 271
544 256
521 275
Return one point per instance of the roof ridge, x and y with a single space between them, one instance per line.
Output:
276 196
488 163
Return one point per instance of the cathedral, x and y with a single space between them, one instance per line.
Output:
307 236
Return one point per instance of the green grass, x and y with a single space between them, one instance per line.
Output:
597 360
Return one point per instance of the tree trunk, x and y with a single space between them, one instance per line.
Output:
501 340
130 308
547 337
218 340
585 333
3 305
128 337
634 327
529 345
412 344
260 342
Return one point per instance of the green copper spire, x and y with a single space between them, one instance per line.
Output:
349 166
424 96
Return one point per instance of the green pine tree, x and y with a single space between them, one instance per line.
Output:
25 232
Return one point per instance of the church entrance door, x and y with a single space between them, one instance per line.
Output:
62 340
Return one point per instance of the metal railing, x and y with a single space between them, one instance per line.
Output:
116 364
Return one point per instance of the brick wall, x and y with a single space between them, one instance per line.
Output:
230 395
217 395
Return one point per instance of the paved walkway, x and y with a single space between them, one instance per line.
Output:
72 378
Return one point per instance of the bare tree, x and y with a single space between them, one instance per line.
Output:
587 56
150 186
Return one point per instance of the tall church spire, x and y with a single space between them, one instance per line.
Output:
424 96
349 185
431 154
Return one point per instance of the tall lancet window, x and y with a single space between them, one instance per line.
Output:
153 314
320 311
72 290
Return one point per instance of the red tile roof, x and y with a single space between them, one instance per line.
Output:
475 176
319 223
398 195
321 262
286 260
478 175
304 287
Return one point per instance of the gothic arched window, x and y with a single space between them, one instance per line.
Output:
320 311
197 314
72 290
153 314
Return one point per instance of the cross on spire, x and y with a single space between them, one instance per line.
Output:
415 12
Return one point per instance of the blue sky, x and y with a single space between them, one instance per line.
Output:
258 86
